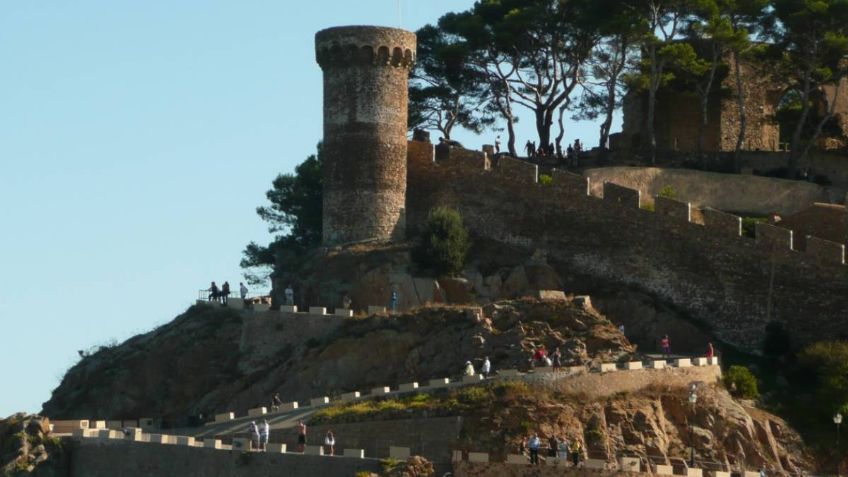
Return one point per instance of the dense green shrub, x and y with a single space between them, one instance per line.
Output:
545 180
444 242
668 192
827 363
741 382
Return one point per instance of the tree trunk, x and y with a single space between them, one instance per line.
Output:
561 133
705 106
743 117
795 153
652 103
831 107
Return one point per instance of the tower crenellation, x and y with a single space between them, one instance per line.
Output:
366 74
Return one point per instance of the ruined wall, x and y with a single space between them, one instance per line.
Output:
707 270
678 115
366 71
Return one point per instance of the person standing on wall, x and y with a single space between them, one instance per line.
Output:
254 435
330 443
498 145
487 367
346 302
242 291
276 402
710 350
665 344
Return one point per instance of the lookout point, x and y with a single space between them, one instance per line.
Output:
672 301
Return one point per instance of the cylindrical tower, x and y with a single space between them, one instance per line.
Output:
366 76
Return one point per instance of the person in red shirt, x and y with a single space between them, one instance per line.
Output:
710 350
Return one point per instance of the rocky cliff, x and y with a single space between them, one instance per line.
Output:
197 364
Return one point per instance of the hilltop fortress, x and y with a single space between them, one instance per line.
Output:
378 188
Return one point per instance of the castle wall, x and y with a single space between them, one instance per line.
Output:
118 458
709 271
366 71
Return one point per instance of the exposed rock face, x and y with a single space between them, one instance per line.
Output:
26 448
652 424
197 364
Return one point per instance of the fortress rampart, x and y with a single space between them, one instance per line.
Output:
366 70
696 259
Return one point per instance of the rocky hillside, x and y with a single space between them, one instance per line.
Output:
197 364
653 423
26 448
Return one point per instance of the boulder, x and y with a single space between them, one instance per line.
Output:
457 290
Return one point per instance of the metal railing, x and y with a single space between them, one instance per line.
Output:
205 294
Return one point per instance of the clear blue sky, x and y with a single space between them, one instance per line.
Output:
136 140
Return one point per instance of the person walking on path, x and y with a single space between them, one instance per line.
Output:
469 368
289 292
254 436
393 301
301 436
665 344
330 442
346 302
557 355
576 450
225 292
242 291
497 145
553 445
530 148
522 446
213 292
487 367
533 445
264 432
562 450
710 350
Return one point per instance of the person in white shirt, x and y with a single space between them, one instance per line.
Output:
242 290
534 445
264 433
330 442
487 367
469 368
289 295
254 435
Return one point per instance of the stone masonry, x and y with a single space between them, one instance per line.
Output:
366 71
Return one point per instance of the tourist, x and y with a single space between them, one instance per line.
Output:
346 302
522 446
225 292
242 291
497 145
576 451
301 436
213 292
529 147
710 350
276 402
330 443
557 361
469 368
394 301
553 446
254 435
569 156
621 328
562 450
665 344
487 367
533 445
289 292
264 433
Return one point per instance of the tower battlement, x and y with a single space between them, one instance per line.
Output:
364 45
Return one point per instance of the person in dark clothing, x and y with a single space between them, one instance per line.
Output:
553 445
225 292
214 294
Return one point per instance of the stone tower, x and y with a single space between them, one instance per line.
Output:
366 75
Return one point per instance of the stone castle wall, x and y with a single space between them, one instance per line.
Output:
366 70
732 283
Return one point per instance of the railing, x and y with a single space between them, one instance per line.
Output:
204 294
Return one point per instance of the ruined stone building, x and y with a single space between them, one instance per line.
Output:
677 115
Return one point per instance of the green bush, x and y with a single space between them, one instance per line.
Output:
444 242
742 382
827 363
668 192
545 180
749 225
